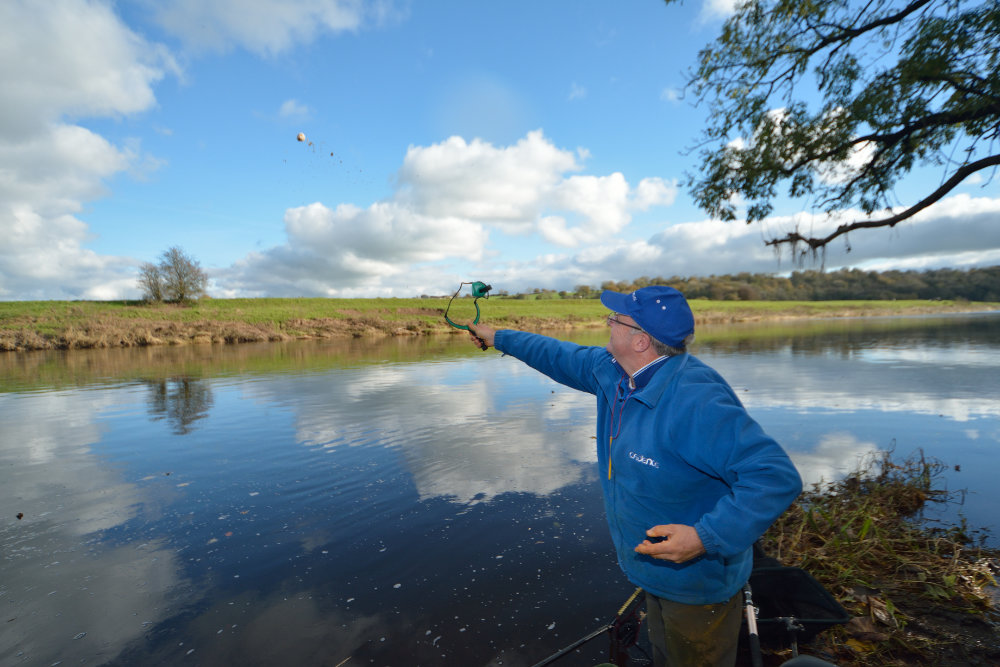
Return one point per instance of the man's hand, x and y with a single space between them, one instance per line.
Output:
680 543
481 334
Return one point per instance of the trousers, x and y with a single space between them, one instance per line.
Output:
691 635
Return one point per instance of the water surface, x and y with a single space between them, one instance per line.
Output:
400 502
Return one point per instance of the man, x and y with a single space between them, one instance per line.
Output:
690 480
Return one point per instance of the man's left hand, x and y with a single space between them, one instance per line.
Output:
680 543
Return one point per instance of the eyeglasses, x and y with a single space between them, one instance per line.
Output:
613 319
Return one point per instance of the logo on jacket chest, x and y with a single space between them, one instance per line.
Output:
645 460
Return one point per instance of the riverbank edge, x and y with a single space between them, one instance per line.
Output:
917 592
172 325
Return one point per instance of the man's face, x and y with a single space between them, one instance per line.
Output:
623 328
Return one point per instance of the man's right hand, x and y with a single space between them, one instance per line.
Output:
480 334
681 543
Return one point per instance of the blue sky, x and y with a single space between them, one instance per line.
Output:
526 144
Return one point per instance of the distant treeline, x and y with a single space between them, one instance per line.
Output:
846 284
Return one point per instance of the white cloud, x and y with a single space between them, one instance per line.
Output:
450 196
523 188
59 59
840 173
672 95
654 192
577 92
456 200
294 110
715 10
384 233
955 225
264 27
960 231
349 251
600 201
476 180
69 57
555 230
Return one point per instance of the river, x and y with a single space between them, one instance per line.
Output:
410 501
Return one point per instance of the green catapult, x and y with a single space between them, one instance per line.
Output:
480 290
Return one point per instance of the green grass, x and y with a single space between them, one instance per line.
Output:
281 310
79 324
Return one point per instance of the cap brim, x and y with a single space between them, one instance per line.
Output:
615 301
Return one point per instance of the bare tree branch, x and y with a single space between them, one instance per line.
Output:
960 175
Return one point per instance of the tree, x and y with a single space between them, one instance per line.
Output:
838 101
150 282
178 277
183 278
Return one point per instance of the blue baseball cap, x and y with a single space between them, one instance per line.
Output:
661 311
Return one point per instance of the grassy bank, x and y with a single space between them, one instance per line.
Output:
919 594
33 325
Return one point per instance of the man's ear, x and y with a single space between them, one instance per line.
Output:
641 342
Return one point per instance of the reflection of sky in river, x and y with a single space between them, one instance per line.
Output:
58 572
423 509
467 432
833 408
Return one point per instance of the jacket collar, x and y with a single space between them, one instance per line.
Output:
649 391
642 376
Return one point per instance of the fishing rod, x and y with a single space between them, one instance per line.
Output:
480 290
624 631
751 614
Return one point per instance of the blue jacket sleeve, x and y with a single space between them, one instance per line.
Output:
567 363
721 439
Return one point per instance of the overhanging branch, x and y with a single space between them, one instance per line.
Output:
960 175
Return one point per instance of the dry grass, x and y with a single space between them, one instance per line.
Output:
920 595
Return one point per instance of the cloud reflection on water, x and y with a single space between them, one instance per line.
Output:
784 380
470 432
835 452
67 593
463 437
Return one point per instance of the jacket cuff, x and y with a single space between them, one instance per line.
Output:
708 539
498 337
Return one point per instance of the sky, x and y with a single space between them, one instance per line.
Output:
525 144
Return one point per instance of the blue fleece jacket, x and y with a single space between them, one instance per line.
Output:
682 450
